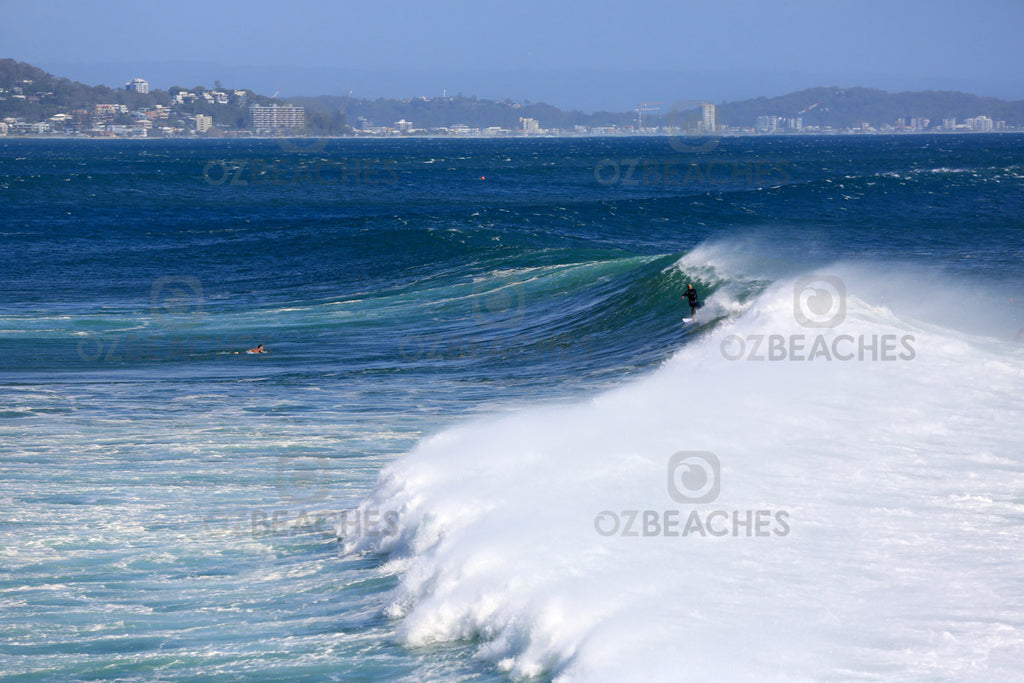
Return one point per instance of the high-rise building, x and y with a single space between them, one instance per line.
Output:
707 111
982 123
767 124
530 126
203 123
137 85
276 118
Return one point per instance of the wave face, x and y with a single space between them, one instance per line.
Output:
483 445
858 515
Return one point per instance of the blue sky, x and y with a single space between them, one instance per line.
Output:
586 54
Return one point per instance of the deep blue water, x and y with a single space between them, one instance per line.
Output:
168 502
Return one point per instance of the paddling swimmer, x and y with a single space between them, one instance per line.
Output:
259 349
691 295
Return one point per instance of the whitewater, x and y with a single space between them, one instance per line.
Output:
864 522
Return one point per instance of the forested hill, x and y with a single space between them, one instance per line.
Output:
476 112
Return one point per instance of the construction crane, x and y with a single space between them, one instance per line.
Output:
641 112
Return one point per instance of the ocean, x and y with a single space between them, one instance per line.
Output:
482 445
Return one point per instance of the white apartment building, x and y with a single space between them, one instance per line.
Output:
277 117
137 85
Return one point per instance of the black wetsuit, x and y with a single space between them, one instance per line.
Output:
691 294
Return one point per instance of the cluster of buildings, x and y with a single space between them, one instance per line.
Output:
527 126
175 119
109 120
978 123
118 120
706 124
778 124
179 118
141 86
208 96
114 119
781 125
23 92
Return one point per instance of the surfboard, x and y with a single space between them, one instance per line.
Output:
687 320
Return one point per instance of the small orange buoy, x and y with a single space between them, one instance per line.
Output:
483 178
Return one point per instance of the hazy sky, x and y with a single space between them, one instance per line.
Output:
589 54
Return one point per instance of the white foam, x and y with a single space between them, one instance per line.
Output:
900 482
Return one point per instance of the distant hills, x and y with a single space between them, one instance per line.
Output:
849 107
475 112
29 94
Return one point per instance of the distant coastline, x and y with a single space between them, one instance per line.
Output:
696 141
36 104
